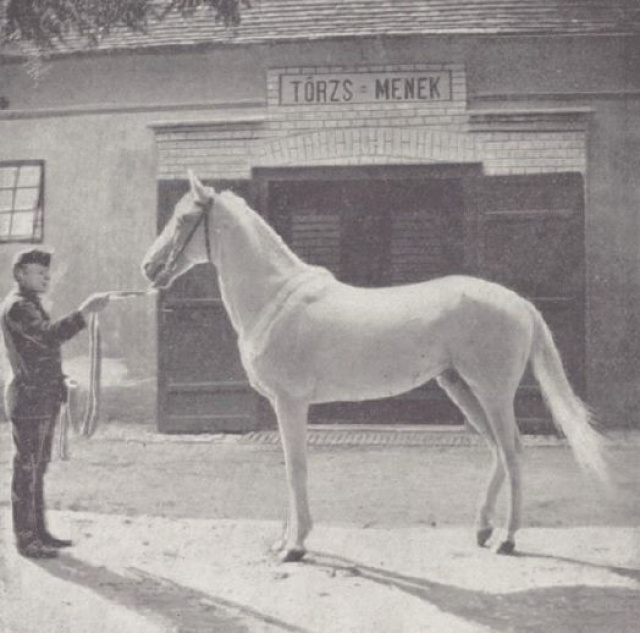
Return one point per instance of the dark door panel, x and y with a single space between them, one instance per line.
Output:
527 232
200 345
201 383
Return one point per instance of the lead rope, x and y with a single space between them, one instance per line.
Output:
90 417
92 406
65 423
91 413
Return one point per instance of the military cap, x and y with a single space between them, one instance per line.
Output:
33 256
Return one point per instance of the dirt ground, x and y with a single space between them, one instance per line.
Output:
174 535
213 477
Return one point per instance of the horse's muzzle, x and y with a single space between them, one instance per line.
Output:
161 281
157 275
151 270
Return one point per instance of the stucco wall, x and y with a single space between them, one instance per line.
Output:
101 163
613 262
100 206
506 66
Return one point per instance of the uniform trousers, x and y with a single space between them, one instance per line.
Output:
33 441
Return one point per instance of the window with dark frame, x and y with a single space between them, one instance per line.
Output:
21 201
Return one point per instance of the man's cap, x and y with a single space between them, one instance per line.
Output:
33 256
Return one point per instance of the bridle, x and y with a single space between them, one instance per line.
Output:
177 250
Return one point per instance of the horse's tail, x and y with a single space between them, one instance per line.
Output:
569 413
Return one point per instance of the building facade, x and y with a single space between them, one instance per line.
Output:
495 146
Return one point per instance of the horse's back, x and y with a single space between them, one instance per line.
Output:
334 310
435 299
344 341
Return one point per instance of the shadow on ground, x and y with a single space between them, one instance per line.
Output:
562 609
180 609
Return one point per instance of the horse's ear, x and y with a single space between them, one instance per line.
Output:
199 191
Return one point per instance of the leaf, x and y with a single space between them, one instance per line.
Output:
46 23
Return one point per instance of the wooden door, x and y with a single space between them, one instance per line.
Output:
201 383
527 232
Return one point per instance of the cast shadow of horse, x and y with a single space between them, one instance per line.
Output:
561 609
179 608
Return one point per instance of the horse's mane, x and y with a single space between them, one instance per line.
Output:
276 273
249 219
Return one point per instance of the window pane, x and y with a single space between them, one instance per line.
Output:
6 199
8 176
5 223
20 197
29 176
22 225
26 198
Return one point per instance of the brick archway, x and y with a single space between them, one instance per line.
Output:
365 146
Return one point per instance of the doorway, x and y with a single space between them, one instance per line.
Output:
374 228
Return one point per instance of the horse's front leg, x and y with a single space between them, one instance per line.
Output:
292 422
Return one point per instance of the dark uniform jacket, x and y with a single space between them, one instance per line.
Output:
33 346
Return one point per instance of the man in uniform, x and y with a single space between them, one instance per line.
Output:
34 395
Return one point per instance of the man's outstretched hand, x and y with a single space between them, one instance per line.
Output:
94 303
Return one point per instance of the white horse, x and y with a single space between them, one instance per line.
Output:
305 337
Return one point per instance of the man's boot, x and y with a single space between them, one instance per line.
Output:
35 549
44 536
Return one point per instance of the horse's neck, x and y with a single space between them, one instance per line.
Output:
254 265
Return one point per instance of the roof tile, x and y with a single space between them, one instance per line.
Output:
278 20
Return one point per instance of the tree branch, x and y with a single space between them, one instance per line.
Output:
46 24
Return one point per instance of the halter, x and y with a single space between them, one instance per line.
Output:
203 217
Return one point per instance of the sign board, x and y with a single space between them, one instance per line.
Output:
365 87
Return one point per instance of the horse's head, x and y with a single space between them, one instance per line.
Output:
184 241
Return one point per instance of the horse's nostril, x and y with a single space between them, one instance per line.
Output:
149 269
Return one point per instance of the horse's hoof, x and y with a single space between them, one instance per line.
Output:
506 547
278 546
483 535
293 555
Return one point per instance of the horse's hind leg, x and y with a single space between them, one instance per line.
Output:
292 422
502 417
488 506
462 396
